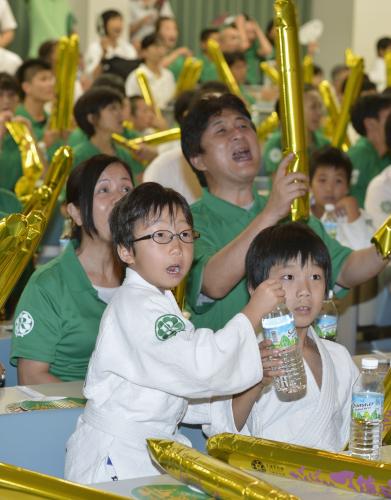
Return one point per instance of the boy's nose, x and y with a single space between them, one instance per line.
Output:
303 289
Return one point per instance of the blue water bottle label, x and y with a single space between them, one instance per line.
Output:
326 327
331 228
367 406
280 330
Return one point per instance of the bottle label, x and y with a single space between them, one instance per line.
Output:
280 330
367 406
330 227
326 327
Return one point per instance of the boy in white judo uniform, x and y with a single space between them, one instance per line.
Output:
296 257
149 360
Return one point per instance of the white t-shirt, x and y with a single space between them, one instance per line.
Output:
162 86
94 53
378 197
7 19
138 10
378 74
9 61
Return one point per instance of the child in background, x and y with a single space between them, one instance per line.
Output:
330 173
238 65
209 71
149 362
293 255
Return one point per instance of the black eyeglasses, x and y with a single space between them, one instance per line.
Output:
164 236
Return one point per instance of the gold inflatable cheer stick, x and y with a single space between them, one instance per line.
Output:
31 162
291 97
382 239
387 60
305 464
332 107
270 71
171 134
267 126
352 91
308 69
146 92
225 74
189 75
211 476
67 60
350 58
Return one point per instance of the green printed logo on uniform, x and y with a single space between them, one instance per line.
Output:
168 325
386 206
24 323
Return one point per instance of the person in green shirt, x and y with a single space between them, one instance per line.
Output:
99 114
369 155
313 112
220 142
209 71
58 315
238 65
167 30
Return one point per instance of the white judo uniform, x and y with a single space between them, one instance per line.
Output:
147 363
321 419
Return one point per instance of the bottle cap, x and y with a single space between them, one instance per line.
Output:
329 207
330 295
369 363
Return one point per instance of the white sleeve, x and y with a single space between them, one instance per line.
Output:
222 418
378 197
192 363
357 234
93 56
7 19
131 85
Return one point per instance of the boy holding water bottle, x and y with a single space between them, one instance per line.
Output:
319 417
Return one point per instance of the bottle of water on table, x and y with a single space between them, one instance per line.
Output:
326 323
279 327
367 412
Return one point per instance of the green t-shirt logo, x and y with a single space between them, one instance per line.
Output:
168 325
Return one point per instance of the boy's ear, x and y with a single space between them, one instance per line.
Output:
126 254
74 214
198 163
370 123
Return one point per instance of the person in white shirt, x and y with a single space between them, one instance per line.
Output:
110 44
150 364
378 70
161 80
143 15
7 24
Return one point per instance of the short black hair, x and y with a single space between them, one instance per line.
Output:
27 71
368 106
92 102
9 83
182 104
282 243
110 80
133 100
232 57
197 119
81 185
206 33
318 70
152 39
46 49
383 44
328 156
145 203
104 18
366 84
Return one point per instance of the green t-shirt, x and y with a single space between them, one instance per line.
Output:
219 222
272 150
209 71
86 149
9 203
57 317
253 76
367 164
10 163
176 66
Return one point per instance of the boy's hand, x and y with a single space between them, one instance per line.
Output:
285 188
263 300
348 207
270 362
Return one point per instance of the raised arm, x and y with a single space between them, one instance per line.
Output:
360 266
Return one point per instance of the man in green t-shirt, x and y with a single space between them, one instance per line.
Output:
369 155
220 142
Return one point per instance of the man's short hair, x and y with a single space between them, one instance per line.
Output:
282 243
331 157
152 39
91 103
233 57
206 33
368 106
27 71
145 203
110 80
9 83
196 122
383 44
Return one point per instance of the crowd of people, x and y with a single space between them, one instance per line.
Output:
140 221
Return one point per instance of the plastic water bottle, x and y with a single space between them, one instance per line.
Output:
326 323
279 327
329 220
367 412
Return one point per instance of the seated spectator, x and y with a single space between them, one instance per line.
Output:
161 80
58 315
330 173
339 73
209 71
378 71
143 117
143 15
369 154
238 66
110 44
